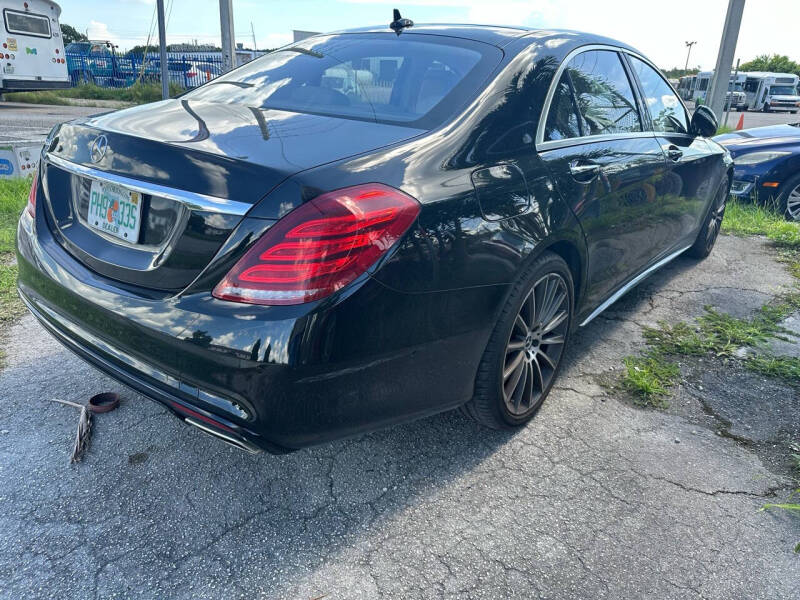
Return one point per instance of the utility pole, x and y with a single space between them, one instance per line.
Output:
735 75
255 47
715 98
162 43
228 38
688 45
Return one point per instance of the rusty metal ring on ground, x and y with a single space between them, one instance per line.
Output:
105 402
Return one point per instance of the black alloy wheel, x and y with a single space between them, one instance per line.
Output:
525 350
535 345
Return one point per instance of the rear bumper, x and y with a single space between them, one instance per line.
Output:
276 377
22 85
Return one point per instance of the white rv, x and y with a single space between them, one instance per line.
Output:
772 91
31 48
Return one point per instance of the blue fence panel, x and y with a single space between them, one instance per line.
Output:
118 71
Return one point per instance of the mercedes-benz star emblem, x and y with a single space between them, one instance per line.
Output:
99 147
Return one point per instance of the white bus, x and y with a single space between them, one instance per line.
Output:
31 48
702 84
695 87
772 91
686 86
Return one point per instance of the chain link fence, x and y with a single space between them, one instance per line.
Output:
110 70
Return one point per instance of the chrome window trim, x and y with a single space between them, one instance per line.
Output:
191 200
591 139
542 144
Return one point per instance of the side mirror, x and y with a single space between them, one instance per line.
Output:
704 122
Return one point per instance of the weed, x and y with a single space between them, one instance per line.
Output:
784 367
649 377
676 339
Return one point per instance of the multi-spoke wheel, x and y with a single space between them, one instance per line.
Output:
535 345
793 204
709 232
789 198
715 218
524 353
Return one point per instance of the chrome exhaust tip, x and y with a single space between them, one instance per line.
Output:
228 439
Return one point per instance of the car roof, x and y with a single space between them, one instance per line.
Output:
498 35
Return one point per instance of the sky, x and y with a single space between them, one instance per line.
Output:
659 29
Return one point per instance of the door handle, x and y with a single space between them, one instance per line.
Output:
674 153
584 172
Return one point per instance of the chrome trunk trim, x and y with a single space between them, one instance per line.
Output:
191 200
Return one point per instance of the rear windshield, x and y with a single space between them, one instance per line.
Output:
26 23
411 79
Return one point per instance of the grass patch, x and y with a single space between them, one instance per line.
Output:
10 305
138 93
789 505
717 333
649 378
750 219
13 196
721 334
784 367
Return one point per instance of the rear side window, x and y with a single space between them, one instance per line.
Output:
605 98
26 23
664 107
413 79
562 120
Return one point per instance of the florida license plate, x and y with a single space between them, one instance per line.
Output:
115 211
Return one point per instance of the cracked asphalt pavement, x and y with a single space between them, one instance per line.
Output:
594 499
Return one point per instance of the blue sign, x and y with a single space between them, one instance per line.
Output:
6 167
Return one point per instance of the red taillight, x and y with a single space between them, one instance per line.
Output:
31 208
191 74
321 246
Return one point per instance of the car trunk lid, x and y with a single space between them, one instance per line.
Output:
196 167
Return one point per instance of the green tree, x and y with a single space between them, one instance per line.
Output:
677 72
141 49
777 63
69 34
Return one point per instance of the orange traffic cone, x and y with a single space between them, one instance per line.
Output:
740 124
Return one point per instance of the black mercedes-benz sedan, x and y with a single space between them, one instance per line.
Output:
367 227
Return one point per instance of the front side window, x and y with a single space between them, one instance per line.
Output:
605 98
377 77
26 23
666 110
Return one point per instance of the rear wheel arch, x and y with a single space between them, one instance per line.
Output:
568 250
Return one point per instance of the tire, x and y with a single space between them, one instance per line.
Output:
544 297
789 198
709 231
